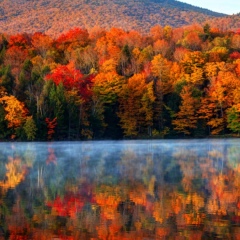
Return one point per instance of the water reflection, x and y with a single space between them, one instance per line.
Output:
120 190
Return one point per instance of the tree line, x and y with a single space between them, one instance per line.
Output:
115 84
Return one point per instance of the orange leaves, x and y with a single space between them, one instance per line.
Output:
18 40
162 232
42 43
179 53
196 200
108 66
220 95
192 41
236 41
156 32
137 84
108 198
193 219
186 118
138 195
237 69
72 39
15 56
134 79
136 100
162 47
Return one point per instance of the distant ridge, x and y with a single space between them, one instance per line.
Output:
57 16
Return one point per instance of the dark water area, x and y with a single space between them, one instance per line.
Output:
174 189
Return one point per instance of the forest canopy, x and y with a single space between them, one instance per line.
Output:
113 84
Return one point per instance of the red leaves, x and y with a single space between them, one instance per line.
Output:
18 40
65 75
51 124
238 31
51 156
72 78
16 56
235 55
76 37
70 205
42 43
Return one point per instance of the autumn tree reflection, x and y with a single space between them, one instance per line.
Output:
145 191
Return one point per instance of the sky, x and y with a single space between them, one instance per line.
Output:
222 6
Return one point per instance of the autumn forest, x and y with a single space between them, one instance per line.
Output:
114 84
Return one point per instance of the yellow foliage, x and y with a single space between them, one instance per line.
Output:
161 69
14 175
196 200
196 77
136 99
109 66
16 113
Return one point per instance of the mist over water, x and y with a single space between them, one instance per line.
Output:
151 189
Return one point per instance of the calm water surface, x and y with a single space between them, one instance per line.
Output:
120 190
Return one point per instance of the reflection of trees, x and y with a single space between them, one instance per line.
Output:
155 194
14 222
205 196
15 173
129 165
233 158
18 225
187 162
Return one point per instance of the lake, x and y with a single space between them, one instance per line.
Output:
156 189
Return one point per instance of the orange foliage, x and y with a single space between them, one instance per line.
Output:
73 39
186 118
179 53
108 199
18 40
15 56
136 100
42 43
192 41
237 69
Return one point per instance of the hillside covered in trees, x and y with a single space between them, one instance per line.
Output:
108 84
52 17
